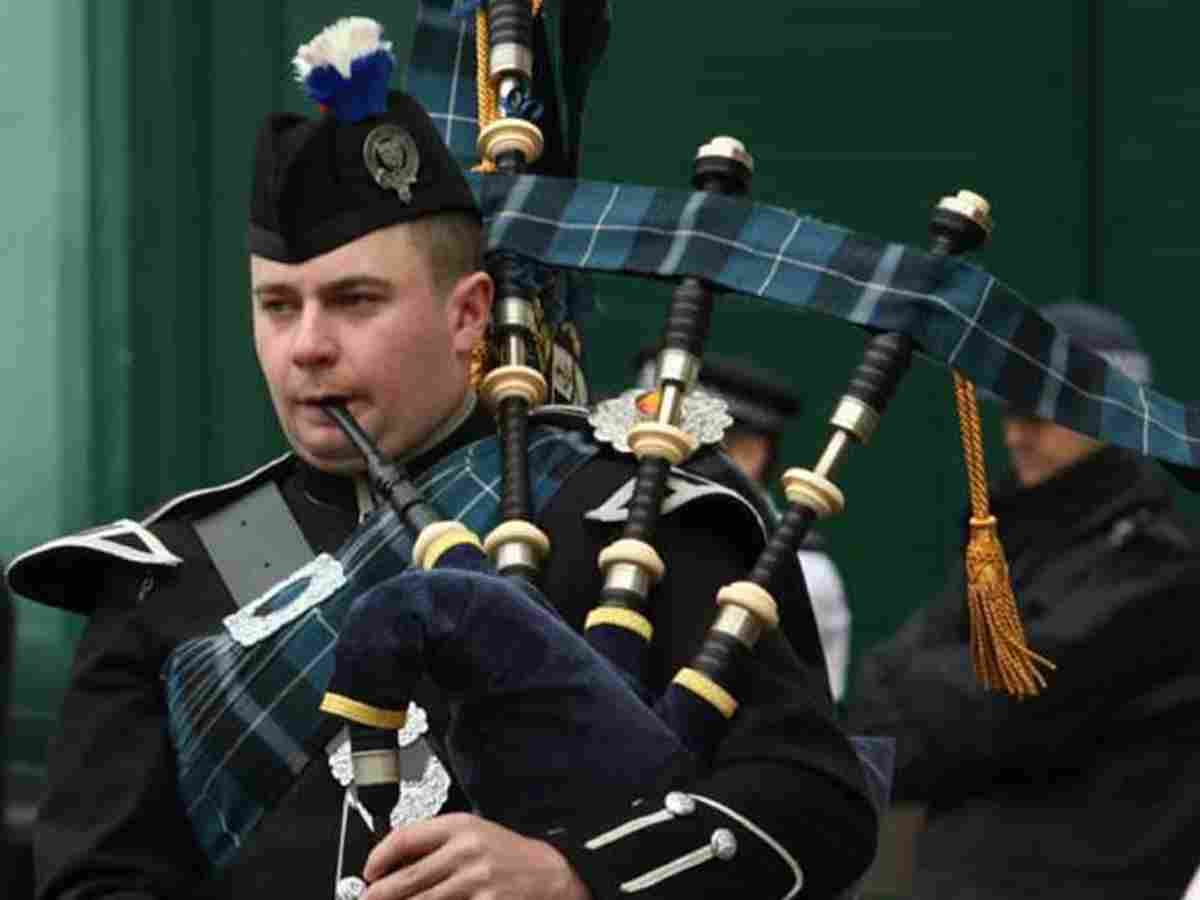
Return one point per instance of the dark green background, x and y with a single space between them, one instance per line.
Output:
1079 121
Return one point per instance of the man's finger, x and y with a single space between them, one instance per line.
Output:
412 842
450 886
426 877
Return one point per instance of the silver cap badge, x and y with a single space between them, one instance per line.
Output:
391 156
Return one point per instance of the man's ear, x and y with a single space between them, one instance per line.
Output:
468 309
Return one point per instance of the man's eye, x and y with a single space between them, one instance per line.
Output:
276 307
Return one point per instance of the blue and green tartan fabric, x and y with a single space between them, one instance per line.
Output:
957 313
244 719
441 74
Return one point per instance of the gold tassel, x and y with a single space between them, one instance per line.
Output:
1001 658
485 92
480 363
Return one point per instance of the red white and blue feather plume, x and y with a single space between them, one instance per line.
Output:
346 68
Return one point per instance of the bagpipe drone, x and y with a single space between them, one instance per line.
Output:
415 588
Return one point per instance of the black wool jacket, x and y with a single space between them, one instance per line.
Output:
1089 789
785 782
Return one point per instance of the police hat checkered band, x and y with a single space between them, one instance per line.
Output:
1133 363
1104 332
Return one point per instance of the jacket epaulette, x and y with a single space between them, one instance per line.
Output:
62 572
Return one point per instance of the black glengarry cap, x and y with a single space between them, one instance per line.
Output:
371 159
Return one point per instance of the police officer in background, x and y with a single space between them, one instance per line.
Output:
1087 790
761 404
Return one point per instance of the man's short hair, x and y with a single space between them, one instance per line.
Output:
453 244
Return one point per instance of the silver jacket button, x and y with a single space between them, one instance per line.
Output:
350 888
723 844
679 804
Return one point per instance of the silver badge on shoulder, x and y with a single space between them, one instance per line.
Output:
391 156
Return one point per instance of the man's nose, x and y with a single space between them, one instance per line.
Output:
315 342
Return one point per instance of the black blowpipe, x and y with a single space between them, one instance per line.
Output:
387 479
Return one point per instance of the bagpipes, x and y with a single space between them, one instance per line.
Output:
593 712
585 699
581 698
593 720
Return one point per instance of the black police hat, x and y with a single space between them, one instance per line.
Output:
757 399
372 158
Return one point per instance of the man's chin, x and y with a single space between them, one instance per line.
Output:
340 459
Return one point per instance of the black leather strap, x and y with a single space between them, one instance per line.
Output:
254 542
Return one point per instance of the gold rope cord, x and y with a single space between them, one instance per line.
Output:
485 94
480 362
1001 658
488 106
487 102
485 91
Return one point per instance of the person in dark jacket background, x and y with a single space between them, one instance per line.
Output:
1086 790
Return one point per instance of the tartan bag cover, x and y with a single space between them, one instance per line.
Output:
243 703
958 314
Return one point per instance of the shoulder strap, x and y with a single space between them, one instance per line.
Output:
254 542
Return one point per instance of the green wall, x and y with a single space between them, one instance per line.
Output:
129 370
44 335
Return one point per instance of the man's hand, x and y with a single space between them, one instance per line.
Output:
463 857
